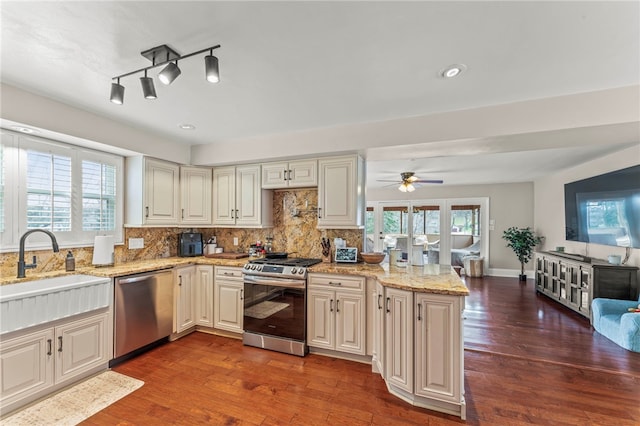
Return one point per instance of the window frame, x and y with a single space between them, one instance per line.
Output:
15 197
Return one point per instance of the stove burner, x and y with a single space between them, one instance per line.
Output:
291 261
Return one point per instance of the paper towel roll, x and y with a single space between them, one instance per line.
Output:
103 251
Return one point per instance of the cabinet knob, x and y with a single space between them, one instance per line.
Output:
419 311
331 305
319 212
59 343
337 305
49 351
379 305
388 301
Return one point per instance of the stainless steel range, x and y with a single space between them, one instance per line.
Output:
275 304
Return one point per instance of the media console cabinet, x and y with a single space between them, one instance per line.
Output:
575 280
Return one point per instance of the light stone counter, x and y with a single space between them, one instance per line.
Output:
440 279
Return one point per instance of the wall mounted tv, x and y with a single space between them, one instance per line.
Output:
604 209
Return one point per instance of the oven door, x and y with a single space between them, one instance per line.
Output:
275 307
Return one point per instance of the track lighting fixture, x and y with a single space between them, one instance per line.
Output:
148 89
169 73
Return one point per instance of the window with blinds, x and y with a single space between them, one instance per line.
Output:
74 192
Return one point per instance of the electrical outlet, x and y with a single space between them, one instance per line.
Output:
235 241
136 243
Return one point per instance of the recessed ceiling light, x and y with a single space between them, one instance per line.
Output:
23 129
453 70
187 126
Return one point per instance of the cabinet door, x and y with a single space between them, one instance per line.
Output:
185 291
339 193
274 175
204 295
224 196
26 365
399 338
229 307
195 195
350 322
162 186
321 318
248 192
438 354
80 346
378 329
302 173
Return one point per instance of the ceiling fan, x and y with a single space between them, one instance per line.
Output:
408 179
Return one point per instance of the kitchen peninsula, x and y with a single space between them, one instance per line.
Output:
412 321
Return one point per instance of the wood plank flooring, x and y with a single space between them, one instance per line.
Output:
528 360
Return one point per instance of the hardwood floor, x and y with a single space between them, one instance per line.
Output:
528 360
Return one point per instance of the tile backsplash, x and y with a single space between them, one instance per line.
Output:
294 231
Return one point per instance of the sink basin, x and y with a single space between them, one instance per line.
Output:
37 302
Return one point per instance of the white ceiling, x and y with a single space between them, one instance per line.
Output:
298 66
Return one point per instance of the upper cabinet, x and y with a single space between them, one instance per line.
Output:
292 174
238 198
164 193
152 192
341 192
195 195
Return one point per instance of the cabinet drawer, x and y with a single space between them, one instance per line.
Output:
337 281
228 273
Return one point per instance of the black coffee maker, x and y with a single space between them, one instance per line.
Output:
190 244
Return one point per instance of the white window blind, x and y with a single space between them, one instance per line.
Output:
48 191
98 196
2 185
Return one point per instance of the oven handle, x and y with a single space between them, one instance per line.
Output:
279 282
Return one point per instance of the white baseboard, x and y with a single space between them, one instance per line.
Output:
499 272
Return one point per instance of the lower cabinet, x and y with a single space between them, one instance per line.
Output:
185 291
204 295
377 307
424 362
228 297
336 313
34 364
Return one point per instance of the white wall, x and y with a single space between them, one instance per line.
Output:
44 113
549 204
510 204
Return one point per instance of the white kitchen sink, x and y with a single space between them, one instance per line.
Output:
37 302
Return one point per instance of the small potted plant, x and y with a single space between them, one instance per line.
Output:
522 241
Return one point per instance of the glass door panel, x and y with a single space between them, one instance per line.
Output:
395 229
465 229
426 234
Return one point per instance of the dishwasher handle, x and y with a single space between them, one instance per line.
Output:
136 279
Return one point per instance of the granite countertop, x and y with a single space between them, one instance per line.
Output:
439 279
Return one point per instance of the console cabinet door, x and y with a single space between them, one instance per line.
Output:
320 318
378 329
204 295
185 291
248 195
162 187
195 195
26 365
229 305
399 339
438 354
224 196
340 192
81 346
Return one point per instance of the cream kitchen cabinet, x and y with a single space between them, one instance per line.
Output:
336 313
229 299
185 291
238 198
341 192
399 350
152 192
204 295
38 362
424 362
195 195
292 174
378 310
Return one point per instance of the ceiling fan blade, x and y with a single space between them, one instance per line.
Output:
428 181
395 180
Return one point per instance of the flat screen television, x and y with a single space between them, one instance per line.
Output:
604 209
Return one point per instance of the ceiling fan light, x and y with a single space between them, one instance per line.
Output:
117 93
410 188
169 73
148 89
211 69
403 188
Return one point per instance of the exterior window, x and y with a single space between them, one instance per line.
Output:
48 191
98 196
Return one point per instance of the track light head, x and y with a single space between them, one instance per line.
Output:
148 89
117 93
211 68
169 73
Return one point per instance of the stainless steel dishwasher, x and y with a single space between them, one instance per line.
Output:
143 310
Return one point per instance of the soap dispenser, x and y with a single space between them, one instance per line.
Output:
70 262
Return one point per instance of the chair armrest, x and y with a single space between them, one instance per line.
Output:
602 306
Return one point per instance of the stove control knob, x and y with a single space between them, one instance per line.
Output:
293 270
301 271
259 267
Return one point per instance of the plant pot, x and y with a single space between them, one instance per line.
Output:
522 277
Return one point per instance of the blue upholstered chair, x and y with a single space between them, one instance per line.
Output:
612 319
